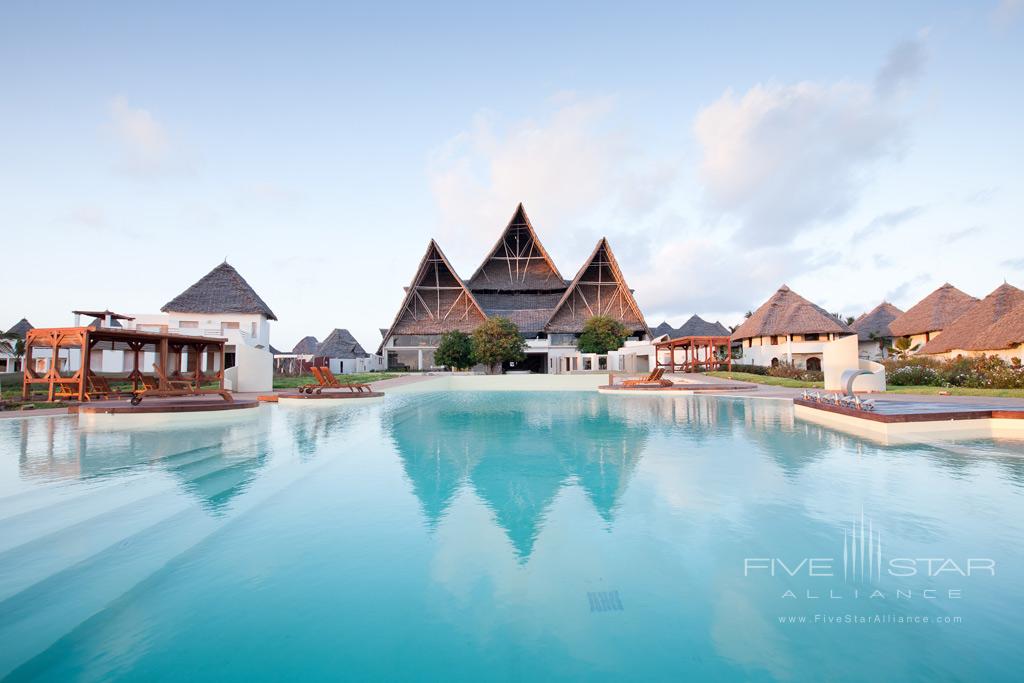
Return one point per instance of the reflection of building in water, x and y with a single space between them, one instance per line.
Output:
311 425
212 463
517 454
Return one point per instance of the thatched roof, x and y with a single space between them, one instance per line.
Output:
340 344
786 312
599 288
662 328
306 345
517 261
275 351
20 328
934 313
696 326
875 323
996 322
222 290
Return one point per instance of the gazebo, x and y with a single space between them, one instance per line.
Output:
699 353
177 358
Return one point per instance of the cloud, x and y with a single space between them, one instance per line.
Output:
903 66
955 235
1006 12
780 159
145 144
1014 263
900 292
702 274
887 220
564 167
89 216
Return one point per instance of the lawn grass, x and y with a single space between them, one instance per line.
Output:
958 391
291 382
765 379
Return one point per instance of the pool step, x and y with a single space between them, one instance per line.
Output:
35 617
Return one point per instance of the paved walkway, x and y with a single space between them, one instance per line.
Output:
753 390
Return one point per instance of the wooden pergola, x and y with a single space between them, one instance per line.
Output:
699 354
62 380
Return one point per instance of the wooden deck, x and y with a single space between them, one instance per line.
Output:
891 412
155 405
332 395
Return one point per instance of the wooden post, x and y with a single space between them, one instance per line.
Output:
83 371
55 349
25 365
163 353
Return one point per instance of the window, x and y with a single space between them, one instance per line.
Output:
562 339
229 359
812 337
775 362
188 324
775 340
253 326
224 327
417 339
814 364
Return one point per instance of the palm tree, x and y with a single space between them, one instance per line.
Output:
12 345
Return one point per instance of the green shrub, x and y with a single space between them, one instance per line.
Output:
977 372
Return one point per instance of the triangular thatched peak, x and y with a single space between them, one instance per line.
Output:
306 345
222 290
437 300
875 324
663 328
992 324
518 261
598 289
20 329
340 344
697 326
934 313
786 312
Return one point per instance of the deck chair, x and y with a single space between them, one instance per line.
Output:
178 387
652 380
318 386
99 387
333 383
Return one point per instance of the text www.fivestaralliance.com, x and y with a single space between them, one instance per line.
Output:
867 619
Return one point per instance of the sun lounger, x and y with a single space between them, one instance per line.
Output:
177 387
652 380
333 383
318 386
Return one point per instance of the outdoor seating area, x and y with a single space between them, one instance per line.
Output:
699 353
59 361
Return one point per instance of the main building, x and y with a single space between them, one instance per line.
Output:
517 280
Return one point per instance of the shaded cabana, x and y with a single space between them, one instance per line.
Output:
699 353
173 358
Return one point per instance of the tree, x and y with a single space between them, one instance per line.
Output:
904 347
497 340
601 334
12 344
455 350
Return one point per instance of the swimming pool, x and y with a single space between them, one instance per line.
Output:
507 536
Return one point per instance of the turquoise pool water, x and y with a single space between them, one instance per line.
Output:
507 536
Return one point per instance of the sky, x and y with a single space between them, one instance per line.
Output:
854 151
